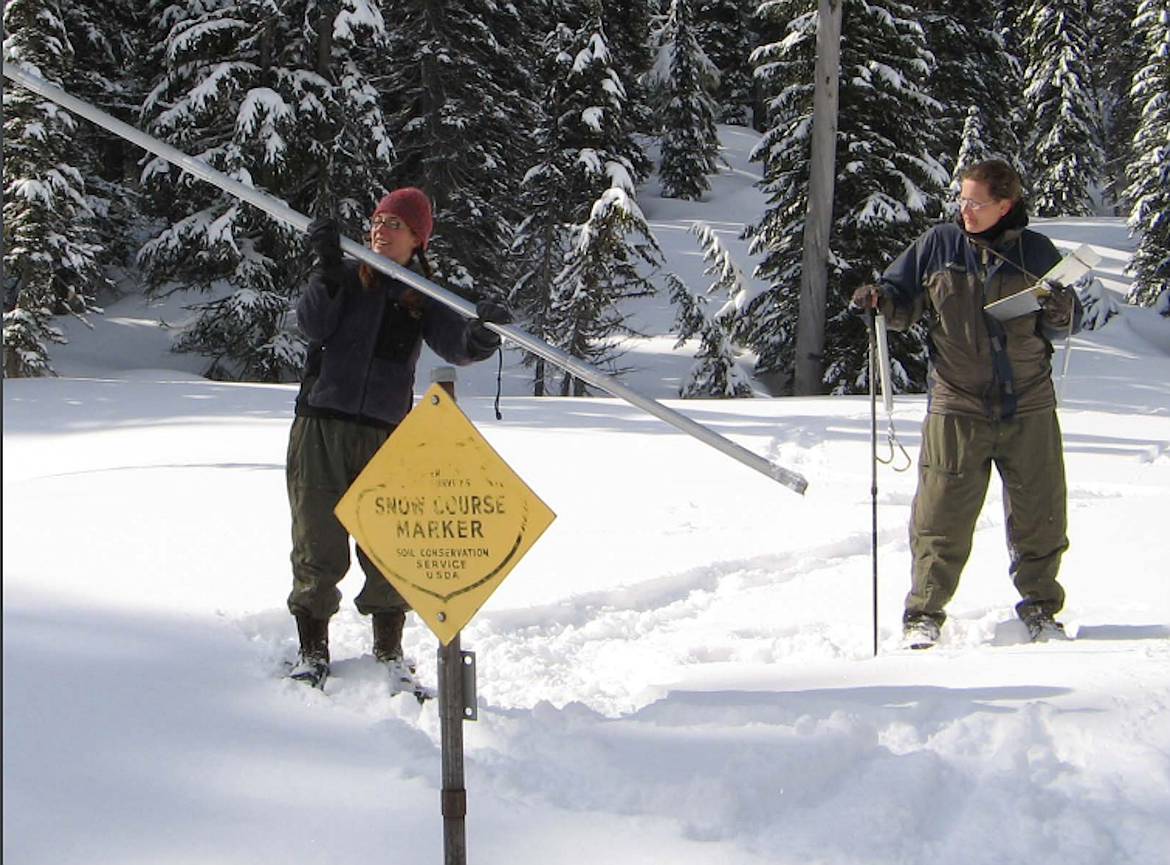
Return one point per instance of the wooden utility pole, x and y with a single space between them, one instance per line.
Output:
814 281
3 38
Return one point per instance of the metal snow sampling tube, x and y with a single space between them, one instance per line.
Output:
299 221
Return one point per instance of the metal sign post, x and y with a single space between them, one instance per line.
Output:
445 520
279 210
454 793
451 714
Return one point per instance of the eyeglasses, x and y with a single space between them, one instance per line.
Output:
391 222
972 204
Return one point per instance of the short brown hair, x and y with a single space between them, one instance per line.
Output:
1003 181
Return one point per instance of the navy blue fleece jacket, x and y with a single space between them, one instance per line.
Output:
978 366
364 345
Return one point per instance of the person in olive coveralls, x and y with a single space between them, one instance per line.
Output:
991 399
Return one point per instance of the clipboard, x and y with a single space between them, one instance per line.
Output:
1065 272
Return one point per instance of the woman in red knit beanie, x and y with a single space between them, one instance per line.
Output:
365 333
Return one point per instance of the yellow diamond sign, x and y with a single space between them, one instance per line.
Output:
441 514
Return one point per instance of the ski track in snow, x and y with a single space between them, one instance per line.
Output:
637 678
1008 753
595 670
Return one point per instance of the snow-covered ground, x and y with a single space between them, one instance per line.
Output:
681 670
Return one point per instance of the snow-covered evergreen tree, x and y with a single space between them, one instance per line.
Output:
584 244
456 87
1149 189
1010 13
724 30
973 145
1064 155
611 248
709 316
1118 44
608 256
281 99
107 38
628 24
594 118
888 185
1100 305
51 246
974 68
541 240
627 29
785 70
681 78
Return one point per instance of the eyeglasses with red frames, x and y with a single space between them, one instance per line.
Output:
391 222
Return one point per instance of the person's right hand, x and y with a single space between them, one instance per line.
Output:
325 240
865 298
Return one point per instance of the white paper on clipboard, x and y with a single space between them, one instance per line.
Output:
1065 272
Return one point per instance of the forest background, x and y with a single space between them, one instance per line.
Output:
531 127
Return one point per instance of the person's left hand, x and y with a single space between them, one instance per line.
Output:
1056 306
496 313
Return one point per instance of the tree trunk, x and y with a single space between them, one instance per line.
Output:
810 328
326 16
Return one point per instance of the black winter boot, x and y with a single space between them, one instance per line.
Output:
920 630
312 666
388 651
388 636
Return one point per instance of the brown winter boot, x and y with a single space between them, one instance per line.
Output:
388 636
312 666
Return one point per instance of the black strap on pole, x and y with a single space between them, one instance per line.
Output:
871 323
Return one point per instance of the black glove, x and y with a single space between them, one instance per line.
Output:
488 310
1056 306
325 241
865 298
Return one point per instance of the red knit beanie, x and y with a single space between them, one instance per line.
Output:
411 205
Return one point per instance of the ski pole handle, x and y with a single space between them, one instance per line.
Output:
883 346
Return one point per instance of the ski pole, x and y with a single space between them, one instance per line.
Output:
879 359
871 322
299 221
1067 357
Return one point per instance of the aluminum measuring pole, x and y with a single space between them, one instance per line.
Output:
279 210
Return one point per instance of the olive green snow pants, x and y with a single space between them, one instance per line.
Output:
954 468
325 456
